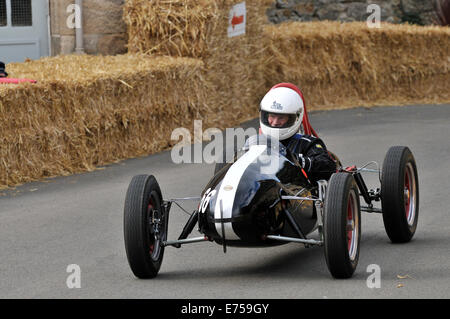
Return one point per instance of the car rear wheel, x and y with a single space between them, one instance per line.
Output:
342 225
145 226
400 194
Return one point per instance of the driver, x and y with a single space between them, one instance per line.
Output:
281 115
3 73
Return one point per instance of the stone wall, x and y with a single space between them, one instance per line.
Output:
103 27
394 11
105 31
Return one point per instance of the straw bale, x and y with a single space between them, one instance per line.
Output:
87 111
335 64
234 65
199 29
170 27
348 64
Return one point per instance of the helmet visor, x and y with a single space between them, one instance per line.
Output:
278 120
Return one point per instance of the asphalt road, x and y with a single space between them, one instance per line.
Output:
46 226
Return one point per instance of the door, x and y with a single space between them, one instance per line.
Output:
23 30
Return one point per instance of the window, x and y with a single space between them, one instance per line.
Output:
21 13
3 20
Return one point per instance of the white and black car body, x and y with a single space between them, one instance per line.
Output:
264 198
243 203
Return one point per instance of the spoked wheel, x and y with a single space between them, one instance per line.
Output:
352 229
145 226
410 196
400 194
342 225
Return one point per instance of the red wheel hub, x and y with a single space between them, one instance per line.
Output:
149 209
407 195
349 224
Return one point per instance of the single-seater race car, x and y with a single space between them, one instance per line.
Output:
265 198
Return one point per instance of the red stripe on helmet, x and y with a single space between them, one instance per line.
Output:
306 125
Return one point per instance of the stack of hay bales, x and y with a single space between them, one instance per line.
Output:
174 27
86 111
198 29
348 64
336 64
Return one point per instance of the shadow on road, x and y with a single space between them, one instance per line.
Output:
292 262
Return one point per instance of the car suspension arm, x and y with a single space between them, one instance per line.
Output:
294 224
188 228
178 243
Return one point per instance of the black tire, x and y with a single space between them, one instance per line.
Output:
400 194
143 238
342 243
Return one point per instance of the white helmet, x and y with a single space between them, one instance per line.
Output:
281 101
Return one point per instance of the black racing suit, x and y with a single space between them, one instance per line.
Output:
313 156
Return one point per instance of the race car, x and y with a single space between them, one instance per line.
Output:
264 198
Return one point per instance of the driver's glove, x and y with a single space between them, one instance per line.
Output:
305 162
